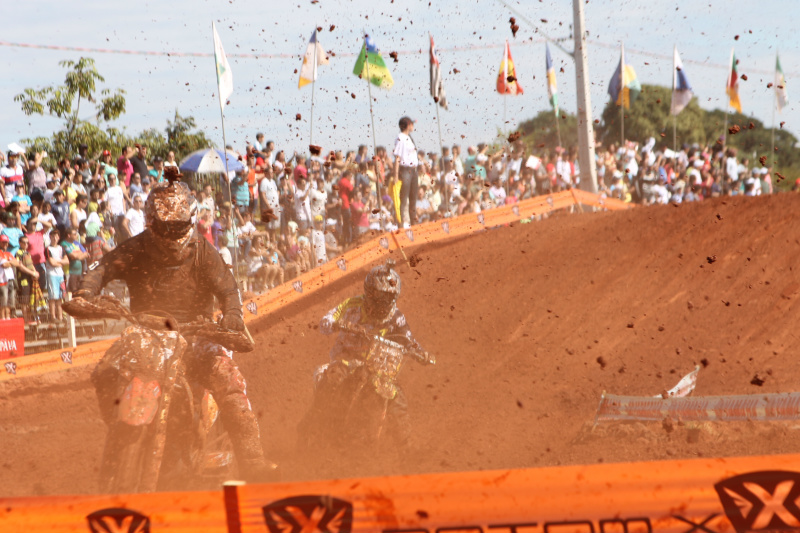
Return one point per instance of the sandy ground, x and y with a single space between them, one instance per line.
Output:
520 319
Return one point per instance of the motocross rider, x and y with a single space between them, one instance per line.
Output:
374 313
170 268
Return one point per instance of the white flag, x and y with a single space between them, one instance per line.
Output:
224 74
315 56
681 89
781 96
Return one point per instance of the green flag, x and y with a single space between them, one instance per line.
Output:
370 65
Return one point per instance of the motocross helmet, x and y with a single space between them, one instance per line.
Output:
170 213
381 289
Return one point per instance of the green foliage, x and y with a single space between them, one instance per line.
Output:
541 130
649 116
81 85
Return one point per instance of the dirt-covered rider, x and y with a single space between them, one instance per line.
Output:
374 313
170 269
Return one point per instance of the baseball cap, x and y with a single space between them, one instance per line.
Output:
157 159
3 238
106 152
58 191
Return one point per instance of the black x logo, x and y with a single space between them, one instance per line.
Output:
699 526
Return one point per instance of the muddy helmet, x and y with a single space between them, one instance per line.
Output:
381 289
170 213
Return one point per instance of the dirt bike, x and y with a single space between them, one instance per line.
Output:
352 398
163 431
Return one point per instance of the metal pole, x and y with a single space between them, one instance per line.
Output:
558 130
441 160
372 118
227 178
311 127
586 156
772 149
622 91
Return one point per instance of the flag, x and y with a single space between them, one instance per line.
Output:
370 64
681 89
624 87
507 77
224 74
781 96
437 89
314 57
552 88
732 85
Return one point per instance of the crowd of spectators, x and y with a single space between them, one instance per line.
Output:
283 215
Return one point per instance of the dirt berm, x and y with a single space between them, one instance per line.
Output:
530 324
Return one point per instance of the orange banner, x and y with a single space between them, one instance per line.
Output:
734 495
332 271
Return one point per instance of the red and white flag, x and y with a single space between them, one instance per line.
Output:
437 89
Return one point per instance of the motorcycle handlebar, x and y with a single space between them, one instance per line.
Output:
421 356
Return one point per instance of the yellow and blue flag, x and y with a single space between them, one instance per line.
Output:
624 87
552 87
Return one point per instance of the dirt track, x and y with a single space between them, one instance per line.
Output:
518 318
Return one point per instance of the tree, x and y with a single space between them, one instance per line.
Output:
179 138
80 86
541 130
64 101
649 116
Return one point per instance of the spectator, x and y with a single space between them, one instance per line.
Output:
117 198
424 208
36 176
345 192
269 201
170 162
224 251
27 276
157 172
133 223
139 161
56 261
12 231
332 247
405 171
302 207
124 166
11 173
319 255
317 199
23 201
76 254
78 211
240 192
37 234
360 214
7 284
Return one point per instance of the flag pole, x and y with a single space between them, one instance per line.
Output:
311 127
441 152
372 118
227 176
774 105
622 92
674 116
558 128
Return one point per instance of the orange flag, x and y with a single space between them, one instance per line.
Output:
507 77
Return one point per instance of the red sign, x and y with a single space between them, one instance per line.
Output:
12 338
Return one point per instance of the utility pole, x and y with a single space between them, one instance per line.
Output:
586 156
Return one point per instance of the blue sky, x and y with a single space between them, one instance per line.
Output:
158 85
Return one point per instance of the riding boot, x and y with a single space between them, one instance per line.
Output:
218 372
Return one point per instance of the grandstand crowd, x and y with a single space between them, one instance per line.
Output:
283 215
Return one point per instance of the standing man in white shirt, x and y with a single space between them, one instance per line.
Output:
405 170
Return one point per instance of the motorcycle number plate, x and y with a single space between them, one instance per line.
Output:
139 402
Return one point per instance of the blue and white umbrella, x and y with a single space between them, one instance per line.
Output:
210 160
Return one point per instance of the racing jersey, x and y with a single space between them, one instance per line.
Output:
349 345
